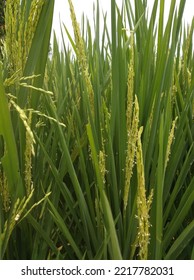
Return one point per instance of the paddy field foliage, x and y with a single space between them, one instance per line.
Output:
97 137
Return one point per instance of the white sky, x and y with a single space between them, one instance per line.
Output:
62 11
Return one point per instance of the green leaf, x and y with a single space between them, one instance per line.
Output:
9 160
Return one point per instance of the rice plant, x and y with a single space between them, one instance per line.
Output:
97 138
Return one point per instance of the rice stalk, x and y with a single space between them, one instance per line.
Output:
9 158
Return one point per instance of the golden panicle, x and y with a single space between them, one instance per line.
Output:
143 205
170 140
80 50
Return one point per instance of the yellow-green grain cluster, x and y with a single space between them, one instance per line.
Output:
186 74
17 211
33 18
20 31
130 82
29 148
102 165
112 118
132 121
29 151
143 205
4 192
81 55
25 121
170 141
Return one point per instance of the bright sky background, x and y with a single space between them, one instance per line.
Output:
86 6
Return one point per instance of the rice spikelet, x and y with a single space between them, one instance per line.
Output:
132 120
20 32
81 55
29 150
4 192
24 119
170 140
102 162
143 205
